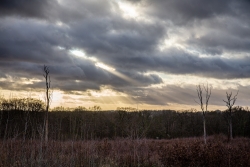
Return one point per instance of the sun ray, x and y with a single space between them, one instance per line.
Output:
104 66
82 54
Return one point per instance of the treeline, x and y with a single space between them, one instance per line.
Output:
24 104
25 119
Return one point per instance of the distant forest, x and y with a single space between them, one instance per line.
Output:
24 119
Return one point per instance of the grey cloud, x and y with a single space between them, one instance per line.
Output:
226 23
21 69
181 12
189 11
53 10
35 42
178 61
68 86
214 67
185 94
128 45
75 10
92 29
30 41
26 8
215 42
27 57
164 95
111 36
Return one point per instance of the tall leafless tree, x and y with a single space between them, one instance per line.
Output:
48 95
207 90
230 101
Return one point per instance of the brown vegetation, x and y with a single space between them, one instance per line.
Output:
127 152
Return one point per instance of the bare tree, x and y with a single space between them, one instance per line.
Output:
47 101
203 106
230 101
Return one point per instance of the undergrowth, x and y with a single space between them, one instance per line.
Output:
127 152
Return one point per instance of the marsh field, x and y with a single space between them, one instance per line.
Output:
122 138
127 152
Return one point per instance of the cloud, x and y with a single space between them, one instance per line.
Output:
187 12
185 94
114 36
28 45
182 12
193 37
224 34
177 61
26 8
75 11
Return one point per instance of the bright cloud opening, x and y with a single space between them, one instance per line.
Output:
128 10
105 67
78 53
82 54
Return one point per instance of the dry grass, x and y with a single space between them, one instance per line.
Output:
126 152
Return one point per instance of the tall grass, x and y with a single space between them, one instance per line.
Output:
126 152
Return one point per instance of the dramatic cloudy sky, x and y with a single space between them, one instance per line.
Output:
124 53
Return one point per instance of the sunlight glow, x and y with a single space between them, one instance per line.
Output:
104 66
81 54
171 43
128 10
61 24
57 96
78 53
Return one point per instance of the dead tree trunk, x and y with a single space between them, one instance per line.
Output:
207 90
47 100
230 101
204 129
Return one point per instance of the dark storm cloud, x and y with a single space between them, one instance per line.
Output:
78 75
222 41
114 36
45 31
32 41
223 35
186 12
177 61
182 12
132 44
26 8
226 22
75 10
26 46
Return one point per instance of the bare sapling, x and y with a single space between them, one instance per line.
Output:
48 95
230 101
207 90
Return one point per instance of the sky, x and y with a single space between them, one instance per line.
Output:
145 54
